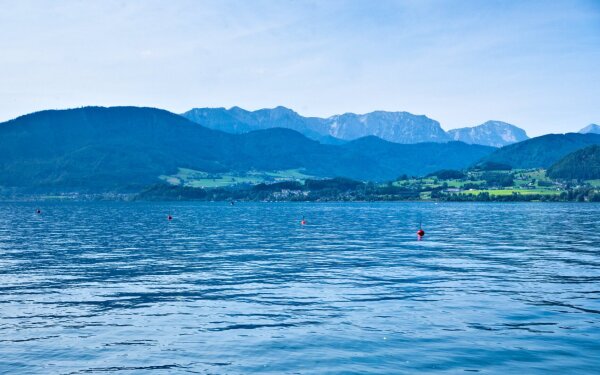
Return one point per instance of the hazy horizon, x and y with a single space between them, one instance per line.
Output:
531 64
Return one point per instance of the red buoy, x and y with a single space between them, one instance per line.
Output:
303 222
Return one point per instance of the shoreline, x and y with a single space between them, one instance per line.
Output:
124 200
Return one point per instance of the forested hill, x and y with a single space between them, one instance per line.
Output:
541 152
582 164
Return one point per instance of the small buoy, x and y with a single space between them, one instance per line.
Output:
169 217
38 211
420 234
303 221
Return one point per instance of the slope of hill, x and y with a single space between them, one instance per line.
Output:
541 152
582 164
102 148
591 128
490 133
417 159
126 148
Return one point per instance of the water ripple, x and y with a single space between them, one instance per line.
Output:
114 287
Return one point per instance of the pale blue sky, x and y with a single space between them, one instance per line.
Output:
534 64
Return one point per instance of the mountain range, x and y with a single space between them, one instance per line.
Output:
127 148
98 149
397 127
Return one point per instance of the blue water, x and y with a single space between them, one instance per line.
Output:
115 287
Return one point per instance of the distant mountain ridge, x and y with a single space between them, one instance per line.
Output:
397 127
237 120
490 133
591 128
127 148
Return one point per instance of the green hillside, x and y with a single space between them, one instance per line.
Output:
583 164
541 152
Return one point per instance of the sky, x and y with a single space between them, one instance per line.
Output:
535 64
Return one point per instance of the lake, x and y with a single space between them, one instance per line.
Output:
116 287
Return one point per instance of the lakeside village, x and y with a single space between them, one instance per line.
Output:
503 185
